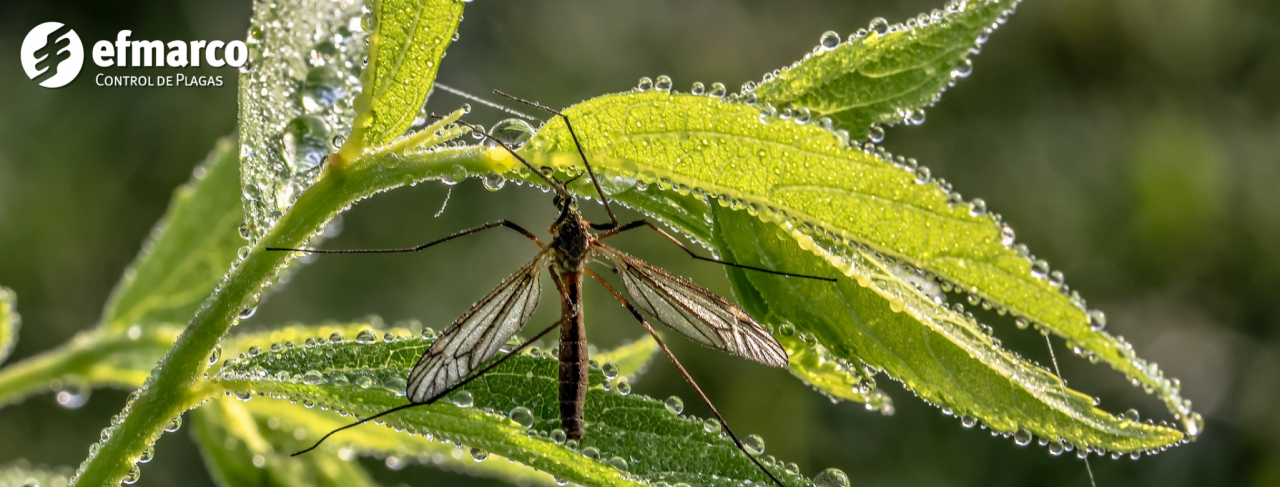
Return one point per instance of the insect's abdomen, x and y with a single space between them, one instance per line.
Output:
573 359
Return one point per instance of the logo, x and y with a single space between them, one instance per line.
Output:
52 55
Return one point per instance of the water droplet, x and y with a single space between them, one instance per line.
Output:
366 337
522 416
802 115
962 70
494 182
324 85
610 370
1022 437
624 387
718 90
463 399
1131 416
645 84
335 338
618 463
174 424
513 132
1097 320
977 207
711 425
132 477
922 175
829 40
831 477
663 83
879 26
253 351
968 421
147 454
479 455
1056 448
875 133
591 452
312 377
305 143
698 88
754 444
73 396
558 437
674 404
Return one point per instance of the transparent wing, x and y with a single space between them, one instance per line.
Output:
477 335
693 311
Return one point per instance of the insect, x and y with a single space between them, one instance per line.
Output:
460 353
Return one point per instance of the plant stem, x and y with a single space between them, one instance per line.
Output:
168 393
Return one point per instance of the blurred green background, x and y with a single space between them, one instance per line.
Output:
1133 144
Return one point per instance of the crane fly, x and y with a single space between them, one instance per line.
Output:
460 353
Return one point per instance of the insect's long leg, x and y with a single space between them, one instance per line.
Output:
559 188
481 101
687 377
613 220
646 223
416 248
441 394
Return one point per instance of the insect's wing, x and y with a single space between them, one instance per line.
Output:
477 335
695 312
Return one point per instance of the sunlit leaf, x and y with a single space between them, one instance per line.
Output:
240 448
890 73
940 354
10 321
191 249
361 377
408 42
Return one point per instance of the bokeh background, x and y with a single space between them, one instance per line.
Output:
1133 144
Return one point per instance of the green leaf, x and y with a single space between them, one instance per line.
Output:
838 378
9 322
889 77
858 210
938 353
304 63
91 360
239 449
365 378
408 42
193 246
22 474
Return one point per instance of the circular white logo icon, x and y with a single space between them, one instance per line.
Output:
52 55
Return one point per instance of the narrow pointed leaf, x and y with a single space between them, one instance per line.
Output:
887 77
365 378
193 246
408 42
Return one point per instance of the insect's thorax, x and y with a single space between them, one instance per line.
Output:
571 242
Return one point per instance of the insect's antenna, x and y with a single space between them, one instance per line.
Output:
564 193
686 375
441 394
613 220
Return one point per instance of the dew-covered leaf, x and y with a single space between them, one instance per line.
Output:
408 42
94 359
191 248
642 435
241 448
935 351
22 474
885 73
840 203
9 322
295 98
